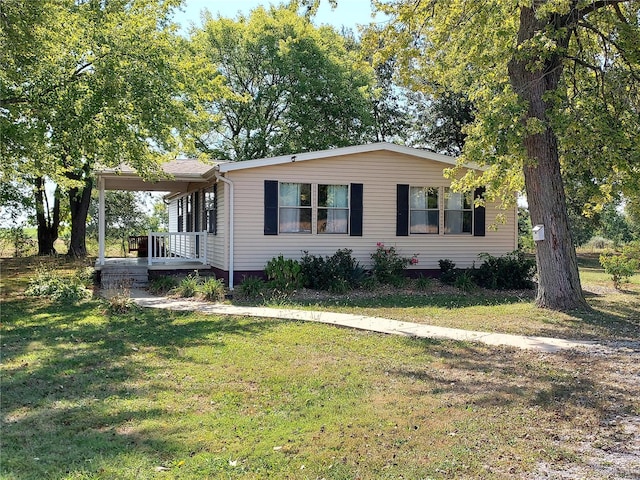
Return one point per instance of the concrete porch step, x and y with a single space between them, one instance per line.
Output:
124 276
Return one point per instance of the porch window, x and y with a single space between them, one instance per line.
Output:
295 208
181 214
458 212
333 209
211 209
424 213
190 212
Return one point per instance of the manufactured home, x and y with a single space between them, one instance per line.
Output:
233 217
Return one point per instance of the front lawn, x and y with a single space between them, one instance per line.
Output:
156 395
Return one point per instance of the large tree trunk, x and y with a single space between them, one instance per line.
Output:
79 200
48 220
559 282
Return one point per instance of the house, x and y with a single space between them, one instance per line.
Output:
236 216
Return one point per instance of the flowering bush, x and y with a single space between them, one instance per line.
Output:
388 265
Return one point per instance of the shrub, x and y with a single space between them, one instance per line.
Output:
313 271
388 265
251 287
18 239
285 274
512 271
119 302
188 286
621 266
48 283
162 285
337 274
423 283
448 271
598 243
213 289
464 281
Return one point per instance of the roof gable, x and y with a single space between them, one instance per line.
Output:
336 152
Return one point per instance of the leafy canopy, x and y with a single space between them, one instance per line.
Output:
465 47
287 85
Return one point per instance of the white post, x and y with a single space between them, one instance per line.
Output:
203 242
101 221
149 247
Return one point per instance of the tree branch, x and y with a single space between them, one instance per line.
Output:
607 39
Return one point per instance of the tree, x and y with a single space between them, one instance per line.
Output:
288 86
86 82
526 67
439 121
124 216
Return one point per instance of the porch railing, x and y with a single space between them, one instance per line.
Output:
165 247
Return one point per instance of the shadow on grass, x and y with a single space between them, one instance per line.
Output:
563 385
65 364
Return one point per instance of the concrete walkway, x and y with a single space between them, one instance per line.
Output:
362 322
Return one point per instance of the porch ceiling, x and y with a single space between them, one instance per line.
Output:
137 184
181 173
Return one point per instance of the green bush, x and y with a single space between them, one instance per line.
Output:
598 243
213 289
162 285
423 283
338 273
464 281
389 266
50 284
620 266
251 287
188 286
448 271
285 274
512 271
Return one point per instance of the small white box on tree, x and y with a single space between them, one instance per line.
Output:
538 233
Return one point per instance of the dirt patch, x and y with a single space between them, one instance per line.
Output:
611 449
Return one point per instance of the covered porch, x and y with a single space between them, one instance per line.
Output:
157 251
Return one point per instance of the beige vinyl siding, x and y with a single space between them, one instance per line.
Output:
218 245
379 172
173 215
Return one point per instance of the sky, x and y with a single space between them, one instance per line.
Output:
348 13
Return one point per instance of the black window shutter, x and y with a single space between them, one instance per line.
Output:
402 211
479 215
270 207
355 222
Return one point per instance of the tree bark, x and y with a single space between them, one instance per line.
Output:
558 278
48 220
79 200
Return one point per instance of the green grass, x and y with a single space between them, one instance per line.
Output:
152 394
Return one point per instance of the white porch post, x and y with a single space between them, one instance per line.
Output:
149 247
101 221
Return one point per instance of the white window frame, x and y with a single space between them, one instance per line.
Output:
425 210
464 209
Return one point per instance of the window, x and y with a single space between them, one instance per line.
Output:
211 209
295 208
424 210
181 214
189 213
333 209
458 212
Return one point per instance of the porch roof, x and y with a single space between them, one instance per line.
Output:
179 175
